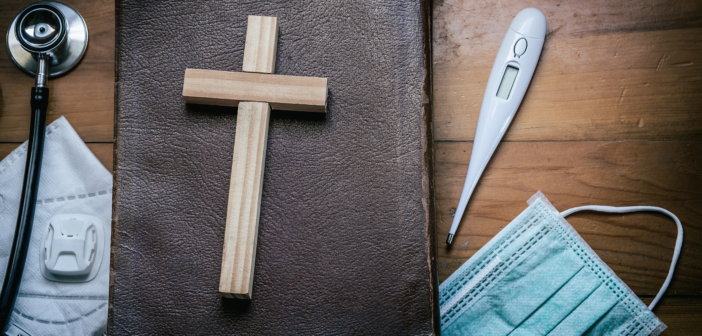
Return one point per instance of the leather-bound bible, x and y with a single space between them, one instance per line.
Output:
345 233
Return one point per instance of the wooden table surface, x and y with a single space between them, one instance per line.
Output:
85 95
612 117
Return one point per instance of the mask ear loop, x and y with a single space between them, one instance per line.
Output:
678 241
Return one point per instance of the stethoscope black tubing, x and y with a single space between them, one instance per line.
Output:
28 202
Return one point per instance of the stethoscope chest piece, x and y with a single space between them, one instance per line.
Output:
51 28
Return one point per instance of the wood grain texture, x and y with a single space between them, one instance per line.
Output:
103 152
249 161
293 93
85 96
261 44
611 117
637 246
609 70
243 209
679 314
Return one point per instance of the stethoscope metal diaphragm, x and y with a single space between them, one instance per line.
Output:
50 28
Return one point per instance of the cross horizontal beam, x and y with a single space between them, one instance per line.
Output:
292 93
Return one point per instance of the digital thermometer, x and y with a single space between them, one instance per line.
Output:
509 79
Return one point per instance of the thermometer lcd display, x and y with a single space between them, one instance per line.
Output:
507 82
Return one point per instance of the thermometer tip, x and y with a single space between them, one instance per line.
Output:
449 239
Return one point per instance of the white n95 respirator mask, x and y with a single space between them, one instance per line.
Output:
65 284
539 277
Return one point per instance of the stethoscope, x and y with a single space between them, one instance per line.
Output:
45 39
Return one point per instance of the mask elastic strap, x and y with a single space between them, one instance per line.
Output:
678 241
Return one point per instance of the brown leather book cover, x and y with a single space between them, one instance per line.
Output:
345 241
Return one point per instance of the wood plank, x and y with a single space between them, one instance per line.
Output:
610 70
606 72
466 28
680 314
261 44
293 93
103 152
243 209
248 163
638 246
85 96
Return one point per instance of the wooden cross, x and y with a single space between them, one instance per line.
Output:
255 91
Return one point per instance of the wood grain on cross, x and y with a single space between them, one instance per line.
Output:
255 91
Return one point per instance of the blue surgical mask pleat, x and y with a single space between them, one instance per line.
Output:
538 277
557 308
587 313
527 286
608 324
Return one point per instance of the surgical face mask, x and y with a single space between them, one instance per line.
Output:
65 283
539 277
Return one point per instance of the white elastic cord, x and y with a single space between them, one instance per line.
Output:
678 241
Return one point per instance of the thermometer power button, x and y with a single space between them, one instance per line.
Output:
520 47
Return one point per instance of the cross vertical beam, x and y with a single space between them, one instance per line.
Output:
245 186
261 44
244 208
